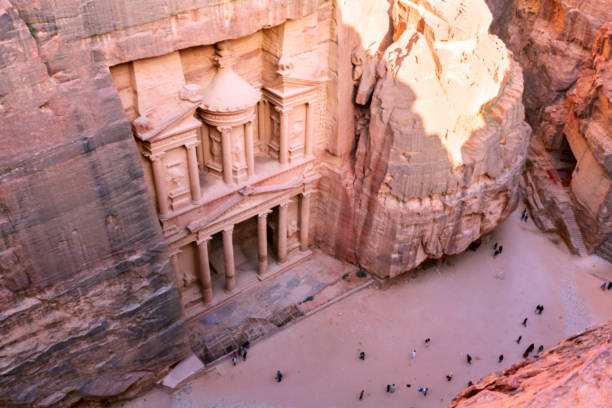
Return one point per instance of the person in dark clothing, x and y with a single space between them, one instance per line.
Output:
530 348
244 354
519 339
609 285
388 387
501 248
427 341
361 394
496 253
362 356
470 383
279 376
500 358
408 385
469 359
525 322
495 246
541 348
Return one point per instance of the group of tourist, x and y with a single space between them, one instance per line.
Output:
603 285
391 388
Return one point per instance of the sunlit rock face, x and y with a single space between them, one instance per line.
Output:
438 163
563 48
575 373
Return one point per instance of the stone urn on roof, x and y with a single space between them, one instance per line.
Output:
228 111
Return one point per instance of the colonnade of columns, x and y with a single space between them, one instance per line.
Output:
262 247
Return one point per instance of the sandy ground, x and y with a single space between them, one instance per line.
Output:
472 303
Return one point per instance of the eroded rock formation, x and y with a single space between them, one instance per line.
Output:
442 144
574 373
563 49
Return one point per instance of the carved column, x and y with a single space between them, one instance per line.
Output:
160 185
283 147
204 269
282 231
194 175
226 145
228 253
262 242
174 262
304 220
309 129
250 155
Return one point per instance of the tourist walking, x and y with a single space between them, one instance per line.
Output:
541 348
525 322
500 358
279 376
413 354
362 355
469 359
603 286
234 359
518 341
427 341
388 387
393 388
361 395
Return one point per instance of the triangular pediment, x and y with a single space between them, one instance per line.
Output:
161 126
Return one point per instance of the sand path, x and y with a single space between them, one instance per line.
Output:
472 303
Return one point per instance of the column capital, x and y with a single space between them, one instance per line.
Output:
282 109
203 240
228 229
224 129
264 213
155 156
285 203
191 145
307 193
174 252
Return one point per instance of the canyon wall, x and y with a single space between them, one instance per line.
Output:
88 302
563 48
575 373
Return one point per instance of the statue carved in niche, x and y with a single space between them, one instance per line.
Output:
297 132
215 147
238 152
176 177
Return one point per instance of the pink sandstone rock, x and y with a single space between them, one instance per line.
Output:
562 48
574 373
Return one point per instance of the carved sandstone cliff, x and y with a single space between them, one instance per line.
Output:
442 144
564 52
88 303
574 373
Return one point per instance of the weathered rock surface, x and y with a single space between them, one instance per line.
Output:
575 373
563 50
441 146
88 303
